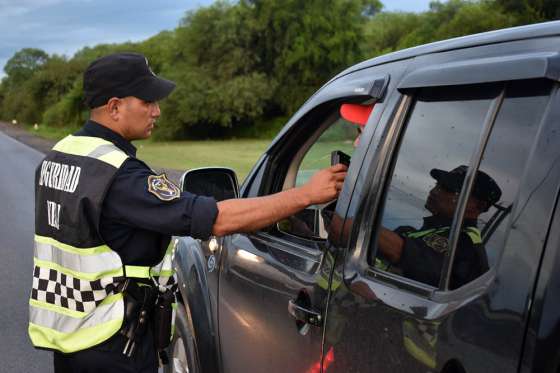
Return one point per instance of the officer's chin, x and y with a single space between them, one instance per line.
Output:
147 134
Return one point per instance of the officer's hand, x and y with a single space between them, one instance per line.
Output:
325 185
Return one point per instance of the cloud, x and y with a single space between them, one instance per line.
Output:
65 26
14 8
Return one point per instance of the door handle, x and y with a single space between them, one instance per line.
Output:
304 315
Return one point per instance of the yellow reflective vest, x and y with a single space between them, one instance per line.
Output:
75 300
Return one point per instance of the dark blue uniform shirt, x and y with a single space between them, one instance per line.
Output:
137 224
422 261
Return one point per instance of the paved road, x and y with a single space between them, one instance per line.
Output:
16 257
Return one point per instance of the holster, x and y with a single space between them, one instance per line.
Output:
139 303
162 318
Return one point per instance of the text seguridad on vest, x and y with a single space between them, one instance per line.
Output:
59 176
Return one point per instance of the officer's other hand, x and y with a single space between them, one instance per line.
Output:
325 185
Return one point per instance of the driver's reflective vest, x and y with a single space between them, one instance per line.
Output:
76 302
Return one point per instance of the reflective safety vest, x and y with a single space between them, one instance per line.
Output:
76 302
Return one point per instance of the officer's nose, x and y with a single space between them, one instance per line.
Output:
156 112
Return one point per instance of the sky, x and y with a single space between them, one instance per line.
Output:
65 26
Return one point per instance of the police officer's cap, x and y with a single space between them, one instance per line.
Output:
122 75
485 188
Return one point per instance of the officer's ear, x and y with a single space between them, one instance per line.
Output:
114 107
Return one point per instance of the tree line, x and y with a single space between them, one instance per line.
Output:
243 67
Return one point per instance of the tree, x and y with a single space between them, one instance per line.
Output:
303 43
69 110
24 64
386 31
236 63
530 11
456 18
50 82
548 10
218 86
158 51
472 18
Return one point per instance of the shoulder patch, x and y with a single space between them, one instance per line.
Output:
162 188
438 243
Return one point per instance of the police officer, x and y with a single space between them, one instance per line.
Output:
420 254
104 221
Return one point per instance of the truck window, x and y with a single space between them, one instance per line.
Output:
422 194
440 136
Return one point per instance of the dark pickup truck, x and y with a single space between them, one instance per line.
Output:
382 280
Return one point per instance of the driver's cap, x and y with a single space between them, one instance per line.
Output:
356 113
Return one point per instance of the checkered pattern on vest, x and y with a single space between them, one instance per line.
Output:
54 287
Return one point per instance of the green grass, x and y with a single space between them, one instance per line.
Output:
239 154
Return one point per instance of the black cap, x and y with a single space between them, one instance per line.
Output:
122 75
485 188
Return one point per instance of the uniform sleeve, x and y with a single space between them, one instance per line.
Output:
130 201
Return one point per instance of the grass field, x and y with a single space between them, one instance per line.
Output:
239 154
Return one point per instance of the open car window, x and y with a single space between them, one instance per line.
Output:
334 133
340 135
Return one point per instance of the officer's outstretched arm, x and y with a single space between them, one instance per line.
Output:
250 214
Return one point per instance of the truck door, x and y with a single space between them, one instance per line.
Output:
432 281
273 284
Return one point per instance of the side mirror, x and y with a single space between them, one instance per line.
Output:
218 182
